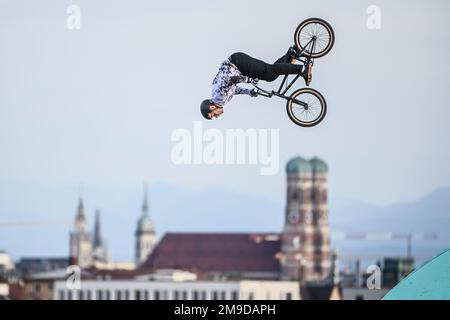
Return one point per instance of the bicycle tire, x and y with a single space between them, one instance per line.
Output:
298 40
295 119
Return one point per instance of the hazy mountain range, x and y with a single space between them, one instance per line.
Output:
178 209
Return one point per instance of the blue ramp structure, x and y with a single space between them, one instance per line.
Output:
429 282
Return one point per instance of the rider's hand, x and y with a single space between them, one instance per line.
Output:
253 93
252 81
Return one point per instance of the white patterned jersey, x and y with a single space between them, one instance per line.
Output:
223 88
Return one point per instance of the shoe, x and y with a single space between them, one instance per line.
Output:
293 53
307 73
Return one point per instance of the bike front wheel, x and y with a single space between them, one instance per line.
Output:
306 107
314 37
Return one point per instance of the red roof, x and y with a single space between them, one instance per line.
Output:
216 252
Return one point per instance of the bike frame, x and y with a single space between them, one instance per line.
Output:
282 93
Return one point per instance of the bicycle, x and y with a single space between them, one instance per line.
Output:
313 38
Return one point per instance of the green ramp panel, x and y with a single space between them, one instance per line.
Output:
429 282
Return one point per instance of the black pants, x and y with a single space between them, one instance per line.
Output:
255 68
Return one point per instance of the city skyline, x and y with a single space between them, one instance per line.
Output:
168 216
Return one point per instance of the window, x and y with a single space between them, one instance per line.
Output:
99 295
317 265
146 295
288 296
295 196
80 295
203 295
359 297
315 217
251 296
108 294
165 295
61 295
69 295
127 295
185 295
305 196
215 295
318 195
88 295
235 295
118 295
137 295
157 297
318 241
223 295
176 295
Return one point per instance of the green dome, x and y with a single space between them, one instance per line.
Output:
431 281
145 224
318 165
298 165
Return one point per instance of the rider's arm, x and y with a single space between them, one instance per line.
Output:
240 90
243 79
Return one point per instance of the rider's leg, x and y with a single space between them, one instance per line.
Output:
277 69
247 65
258 69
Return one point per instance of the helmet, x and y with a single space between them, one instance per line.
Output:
204 108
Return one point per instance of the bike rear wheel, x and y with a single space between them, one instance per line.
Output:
309 115
314 37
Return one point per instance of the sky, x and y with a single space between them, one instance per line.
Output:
97 106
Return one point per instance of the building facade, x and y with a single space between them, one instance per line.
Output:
6 262
395 270
163 290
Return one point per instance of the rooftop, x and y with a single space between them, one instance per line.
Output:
216 252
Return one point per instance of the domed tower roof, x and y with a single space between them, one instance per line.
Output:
298 165
145 223
318 165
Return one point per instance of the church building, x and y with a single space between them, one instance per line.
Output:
145 235
87 248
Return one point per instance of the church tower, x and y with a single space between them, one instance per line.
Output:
306 236
100 252
80 239
145 234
